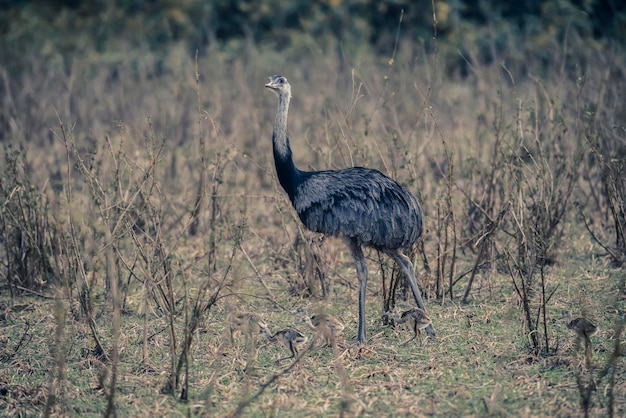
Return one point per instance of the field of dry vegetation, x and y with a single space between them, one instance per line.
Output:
140 208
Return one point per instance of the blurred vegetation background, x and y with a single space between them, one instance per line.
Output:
135 179
58 30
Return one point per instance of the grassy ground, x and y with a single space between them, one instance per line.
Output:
479 364
117 151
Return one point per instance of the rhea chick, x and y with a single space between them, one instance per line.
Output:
245 322
325 325
583 327
289 337
417 318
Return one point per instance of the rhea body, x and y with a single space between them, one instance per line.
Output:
247 323
583 327
361 205
418 320
289 337
325 325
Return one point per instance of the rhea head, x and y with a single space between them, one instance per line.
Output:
279 84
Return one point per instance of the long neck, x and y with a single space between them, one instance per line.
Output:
288 174
268 335
310 324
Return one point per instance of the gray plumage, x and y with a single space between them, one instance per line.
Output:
291 338
360 205
583 327
418 320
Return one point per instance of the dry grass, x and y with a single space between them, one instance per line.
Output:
115 149
482 348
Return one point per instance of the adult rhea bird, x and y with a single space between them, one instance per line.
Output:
360 205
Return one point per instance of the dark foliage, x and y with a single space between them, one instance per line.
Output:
67 27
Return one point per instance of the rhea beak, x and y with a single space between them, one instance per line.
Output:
271 85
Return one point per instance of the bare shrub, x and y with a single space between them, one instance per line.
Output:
542 170
27 231
605 172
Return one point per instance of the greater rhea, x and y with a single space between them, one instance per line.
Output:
289 337
417 318
362 206
583 327
325 325
247 323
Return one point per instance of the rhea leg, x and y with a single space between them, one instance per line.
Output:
407 268
361 273
587 348
414 334
293 350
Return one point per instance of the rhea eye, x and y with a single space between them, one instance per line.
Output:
281 80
